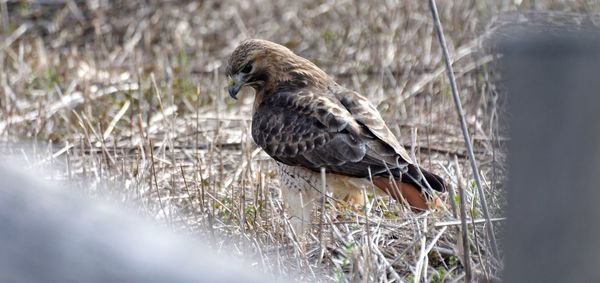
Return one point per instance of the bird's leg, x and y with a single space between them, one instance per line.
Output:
300 202
297 186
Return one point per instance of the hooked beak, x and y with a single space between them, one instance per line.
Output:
235 84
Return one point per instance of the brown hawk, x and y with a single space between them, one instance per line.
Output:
306 121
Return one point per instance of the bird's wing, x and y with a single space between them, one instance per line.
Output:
366 114
315 130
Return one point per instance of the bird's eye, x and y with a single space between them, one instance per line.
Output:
247 68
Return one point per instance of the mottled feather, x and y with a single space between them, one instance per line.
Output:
306 121
314 129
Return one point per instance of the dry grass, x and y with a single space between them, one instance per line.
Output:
127 100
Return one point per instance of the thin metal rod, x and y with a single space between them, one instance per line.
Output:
463 125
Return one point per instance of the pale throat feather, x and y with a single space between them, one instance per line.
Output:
258 97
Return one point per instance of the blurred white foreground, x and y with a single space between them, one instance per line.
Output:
49 235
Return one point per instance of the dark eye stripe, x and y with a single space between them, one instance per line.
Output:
247 68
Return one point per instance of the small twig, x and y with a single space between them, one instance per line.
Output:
452 196
187 188
154 178
116 119
14 36
469 222
463 222
463 126
321 227
422 262
55 155
435 240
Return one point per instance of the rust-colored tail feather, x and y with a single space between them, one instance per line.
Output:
414 177
412 187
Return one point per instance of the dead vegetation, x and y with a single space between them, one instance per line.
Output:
127 99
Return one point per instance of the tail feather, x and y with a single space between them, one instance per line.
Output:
402 191
431 180
413 188
436 182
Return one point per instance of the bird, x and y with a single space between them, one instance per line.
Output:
307 122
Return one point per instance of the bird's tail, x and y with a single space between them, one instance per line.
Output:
414 188
425 181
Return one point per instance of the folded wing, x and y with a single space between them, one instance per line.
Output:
340 132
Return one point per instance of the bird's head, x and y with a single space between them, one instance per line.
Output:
262 64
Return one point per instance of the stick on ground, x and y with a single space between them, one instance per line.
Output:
463 125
